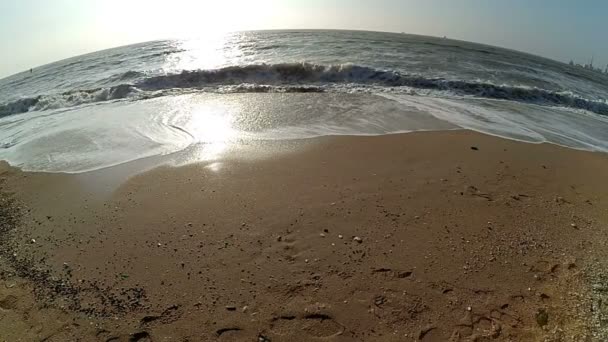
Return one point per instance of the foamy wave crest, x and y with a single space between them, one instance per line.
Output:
272 74
511 93
67 99
301 78
313 74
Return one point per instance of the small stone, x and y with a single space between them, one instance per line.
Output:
306 261
243 224
469 308
230 307
340 236
357 239
159 244
474 148
189 224
33 240
322 235
245 308
573 225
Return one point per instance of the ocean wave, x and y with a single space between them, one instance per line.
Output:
125 76
128 91
307 73
273 74
67 99
298 77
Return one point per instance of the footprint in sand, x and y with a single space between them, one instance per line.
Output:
288 250
314 325
488 325
228 333
9 302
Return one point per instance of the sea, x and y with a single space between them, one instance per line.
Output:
161 97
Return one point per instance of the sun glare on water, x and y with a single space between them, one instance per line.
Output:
211 126
203 53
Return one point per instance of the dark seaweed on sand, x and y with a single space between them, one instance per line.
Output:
49 287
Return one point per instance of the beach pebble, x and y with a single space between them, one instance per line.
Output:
358 239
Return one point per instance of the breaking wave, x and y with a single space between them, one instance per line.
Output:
67 99
298 77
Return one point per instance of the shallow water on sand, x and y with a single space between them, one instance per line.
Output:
156 98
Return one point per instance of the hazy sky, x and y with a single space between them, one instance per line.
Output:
35 32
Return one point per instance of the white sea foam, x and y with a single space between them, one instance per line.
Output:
94 137
525 122
157 98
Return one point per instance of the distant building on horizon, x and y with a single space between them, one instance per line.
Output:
589 66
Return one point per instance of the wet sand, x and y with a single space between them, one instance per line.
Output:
430 236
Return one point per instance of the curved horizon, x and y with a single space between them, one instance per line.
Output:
285 30
38 32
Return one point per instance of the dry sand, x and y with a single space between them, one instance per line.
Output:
433 236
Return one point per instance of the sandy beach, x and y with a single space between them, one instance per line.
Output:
427 236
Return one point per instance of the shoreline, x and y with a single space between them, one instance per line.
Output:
415 236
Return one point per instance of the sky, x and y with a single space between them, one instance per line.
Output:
36 32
